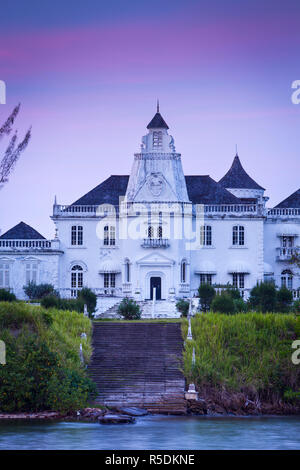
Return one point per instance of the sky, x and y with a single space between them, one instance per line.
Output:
88 74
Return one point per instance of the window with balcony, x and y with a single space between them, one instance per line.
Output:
76 235
31 272
238 235
4 275
206 235
150 231
287 279
206 279
238 280
109 280
109 238
287 242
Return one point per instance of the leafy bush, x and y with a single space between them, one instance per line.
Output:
296 307
284 300
50 301
129 309
6 296
38 291
42 355
88 297
223 303
183 307
240 305
206 294
263 297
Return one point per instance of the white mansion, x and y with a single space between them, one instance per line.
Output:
158 232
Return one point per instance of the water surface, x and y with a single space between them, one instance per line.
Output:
156 432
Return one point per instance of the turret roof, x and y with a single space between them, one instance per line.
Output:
237 178
22 231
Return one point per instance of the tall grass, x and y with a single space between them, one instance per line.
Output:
244 352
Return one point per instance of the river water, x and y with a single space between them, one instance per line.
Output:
156 432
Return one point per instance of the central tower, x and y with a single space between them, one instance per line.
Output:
157 174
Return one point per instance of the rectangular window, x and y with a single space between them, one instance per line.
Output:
77 235
287 242
238 280
4 275
31 271
206 279
109 280
206 235
238 235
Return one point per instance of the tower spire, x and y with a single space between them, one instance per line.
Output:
157 106
236 150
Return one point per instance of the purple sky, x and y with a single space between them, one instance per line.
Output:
88 76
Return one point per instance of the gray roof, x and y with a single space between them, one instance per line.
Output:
293 201
237 178
201 190
22 231
158 122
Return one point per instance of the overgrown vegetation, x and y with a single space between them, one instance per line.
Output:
43 369
6 296
246 352
183 307
39 291
129 309
85 297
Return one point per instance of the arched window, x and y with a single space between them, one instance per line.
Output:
159 231
150 232
183 271
287 279
76 278
238 235
157 139
109 236
127 270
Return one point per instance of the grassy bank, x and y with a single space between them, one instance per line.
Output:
248 353
43 369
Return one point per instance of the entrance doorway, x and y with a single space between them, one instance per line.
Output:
155 282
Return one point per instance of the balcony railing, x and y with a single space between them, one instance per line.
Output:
246 209
99 291
155 243
21 244
285 254
283 212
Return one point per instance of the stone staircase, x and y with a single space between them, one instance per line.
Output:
163 309
138 364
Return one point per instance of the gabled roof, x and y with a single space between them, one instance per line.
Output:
22 231
107 192
202 189
293 201
237 178
158 122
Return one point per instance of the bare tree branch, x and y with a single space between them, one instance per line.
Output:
13 150
12 155
7 126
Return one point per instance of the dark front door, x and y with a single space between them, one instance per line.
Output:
155 282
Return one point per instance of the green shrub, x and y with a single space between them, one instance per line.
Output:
183 307
88 297
38 291
240 305
223 303
248 352
129 309
50 301
296 307
263 297
6 296
42 354
284 300
206 294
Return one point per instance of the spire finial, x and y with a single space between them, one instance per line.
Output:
157 107
236 150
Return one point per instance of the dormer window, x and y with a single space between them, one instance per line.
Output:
157 139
